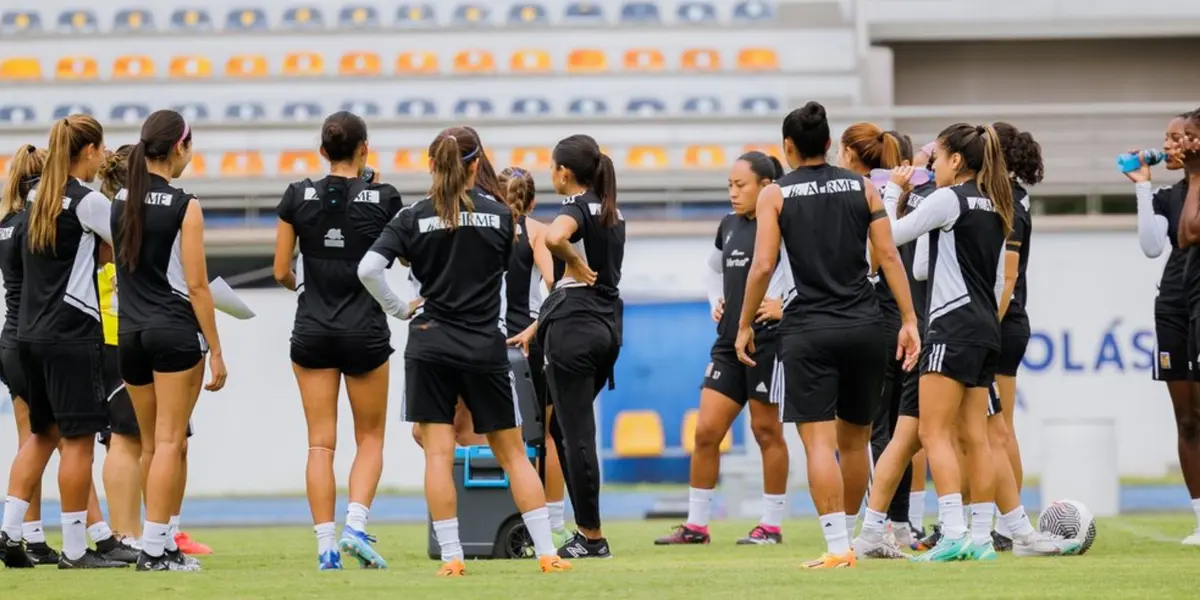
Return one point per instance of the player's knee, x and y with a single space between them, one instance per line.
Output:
708 437
1188 427
767 434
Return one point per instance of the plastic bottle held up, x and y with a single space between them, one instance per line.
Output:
1132 161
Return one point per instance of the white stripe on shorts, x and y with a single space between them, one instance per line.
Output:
777 394
512 383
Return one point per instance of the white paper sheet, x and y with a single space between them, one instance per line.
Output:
227 301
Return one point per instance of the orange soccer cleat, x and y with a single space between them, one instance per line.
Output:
454 568
831 561
553 564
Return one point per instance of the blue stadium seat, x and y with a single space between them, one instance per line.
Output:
63 111
78 21
245 111
530 107
20 21
416 15
472 14
246 19
696 12
129 113
129 20
528 14
753 10
762 105
192 111
587 107
303 17
645 107
355 16
416 107
362 108
191 19
302 111
584 13
17 114
640 12
702 105
473 107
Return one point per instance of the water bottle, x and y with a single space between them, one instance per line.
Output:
1132 161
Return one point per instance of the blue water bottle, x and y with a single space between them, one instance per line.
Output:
1132 161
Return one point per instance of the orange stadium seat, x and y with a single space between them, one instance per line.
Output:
299 162
373 159
303 64
246 65
587 60
412 160
4 159
701 59
768 149
474 61
76 67
688 433
241 164
647 157
359 64
190 67
644 59
20 69
197 168
531 158
417 61
704 157
638 433
133 66
530 61
758 59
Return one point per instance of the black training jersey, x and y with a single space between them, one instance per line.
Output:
12 239
336 220
523 283
460 273
1022 229
602 248
823 224
59 300
1173 294
155 294
735 243
908 253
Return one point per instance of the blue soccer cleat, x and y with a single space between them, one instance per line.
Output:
358 544
330 561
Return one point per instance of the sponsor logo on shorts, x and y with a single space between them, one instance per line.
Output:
1164 360
762 388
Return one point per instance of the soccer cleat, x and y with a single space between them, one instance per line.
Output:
454 568
357 544
831 561
928 542
761 536
189 546
581 547
682 534
329 561
113 549
984 551
947 550
169 561
13 553
90 560
903 534
42 554
1038 543
560 537
554 564
1001 543
883 548
188 563
1192 540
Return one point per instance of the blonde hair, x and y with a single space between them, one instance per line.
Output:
23 173
115 171
68 137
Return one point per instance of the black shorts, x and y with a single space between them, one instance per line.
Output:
972 366
910 395
726 375
1173 348
827 374
121 418
1014 339
994 405
65 387
12 374
431 391
143 353
352 355
537 371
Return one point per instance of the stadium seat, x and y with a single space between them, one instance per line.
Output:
373 159
640 12
299 162
198 167
760 105
688 434
359 64
757 59
530 61
704 157
412 160
528 14
768 149
191 19
474 61
20 69
20 21
584 13
133 20
192 111
644 59
77 68
415 15
692 13
472 14
303 17
246 19
638 433
416 62
531 158
702 105
129 113
133 66
530 107
645 107
587 107
246 66
78 21
700 59
587 60
242 164
63 111
245 111
302 111
358 17
647 157
16 115
190 67
303 64
473 108
753 10
417 107
4 160
362 108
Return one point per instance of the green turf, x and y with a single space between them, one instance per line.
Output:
1134 557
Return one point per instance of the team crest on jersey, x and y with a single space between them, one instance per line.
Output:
334 239
1164 361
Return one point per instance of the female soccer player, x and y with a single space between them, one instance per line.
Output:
728 384
458 242
340 331
166 320
61 339
831 344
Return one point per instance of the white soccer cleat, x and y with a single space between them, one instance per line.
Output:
1192 540
884 548
1043 544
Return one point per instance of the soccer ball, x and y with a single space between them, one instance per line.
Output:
1069 519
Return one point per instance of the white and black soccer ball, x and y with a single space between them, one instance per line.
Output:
1071 520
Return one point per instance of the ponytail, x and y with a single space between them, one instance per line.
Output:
24 171
137 185
604 184
450 178
890 155
764 166
115 171
1022 154
992 177
874 147
43 219
485 173
518 189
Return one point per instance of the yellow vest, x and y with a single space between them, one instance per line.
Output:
106 283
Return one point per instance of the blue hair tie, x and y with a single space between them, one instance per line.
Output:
467 157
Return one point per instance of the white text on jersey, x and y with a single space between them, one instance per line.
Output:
465 219
812 188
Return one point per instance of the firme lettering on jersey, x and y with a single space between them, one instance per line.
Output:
813 188
368 196
465 219
158 199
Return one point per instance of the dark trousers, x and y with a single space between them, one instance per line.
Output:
885 425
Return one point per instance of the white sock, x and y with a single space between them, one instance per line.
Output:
874 525
774 506
356 516
99 532
1015 522
558 515
1001 525
699 507
154 538
537 523
14 513
950 512
74 532
325 537
172 531
446 533
851 521
981 523
916 509
1196 509
33 532
834 527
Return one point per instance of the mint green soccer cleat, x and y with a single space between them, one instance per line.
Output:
947 550
357 544
985 551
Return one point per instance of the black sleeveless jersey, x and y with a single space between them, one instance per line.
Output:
59 299
908 253
823 223
460 273
1172 296
155 294
12 239
735 239
523 283
336 221
1022 229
